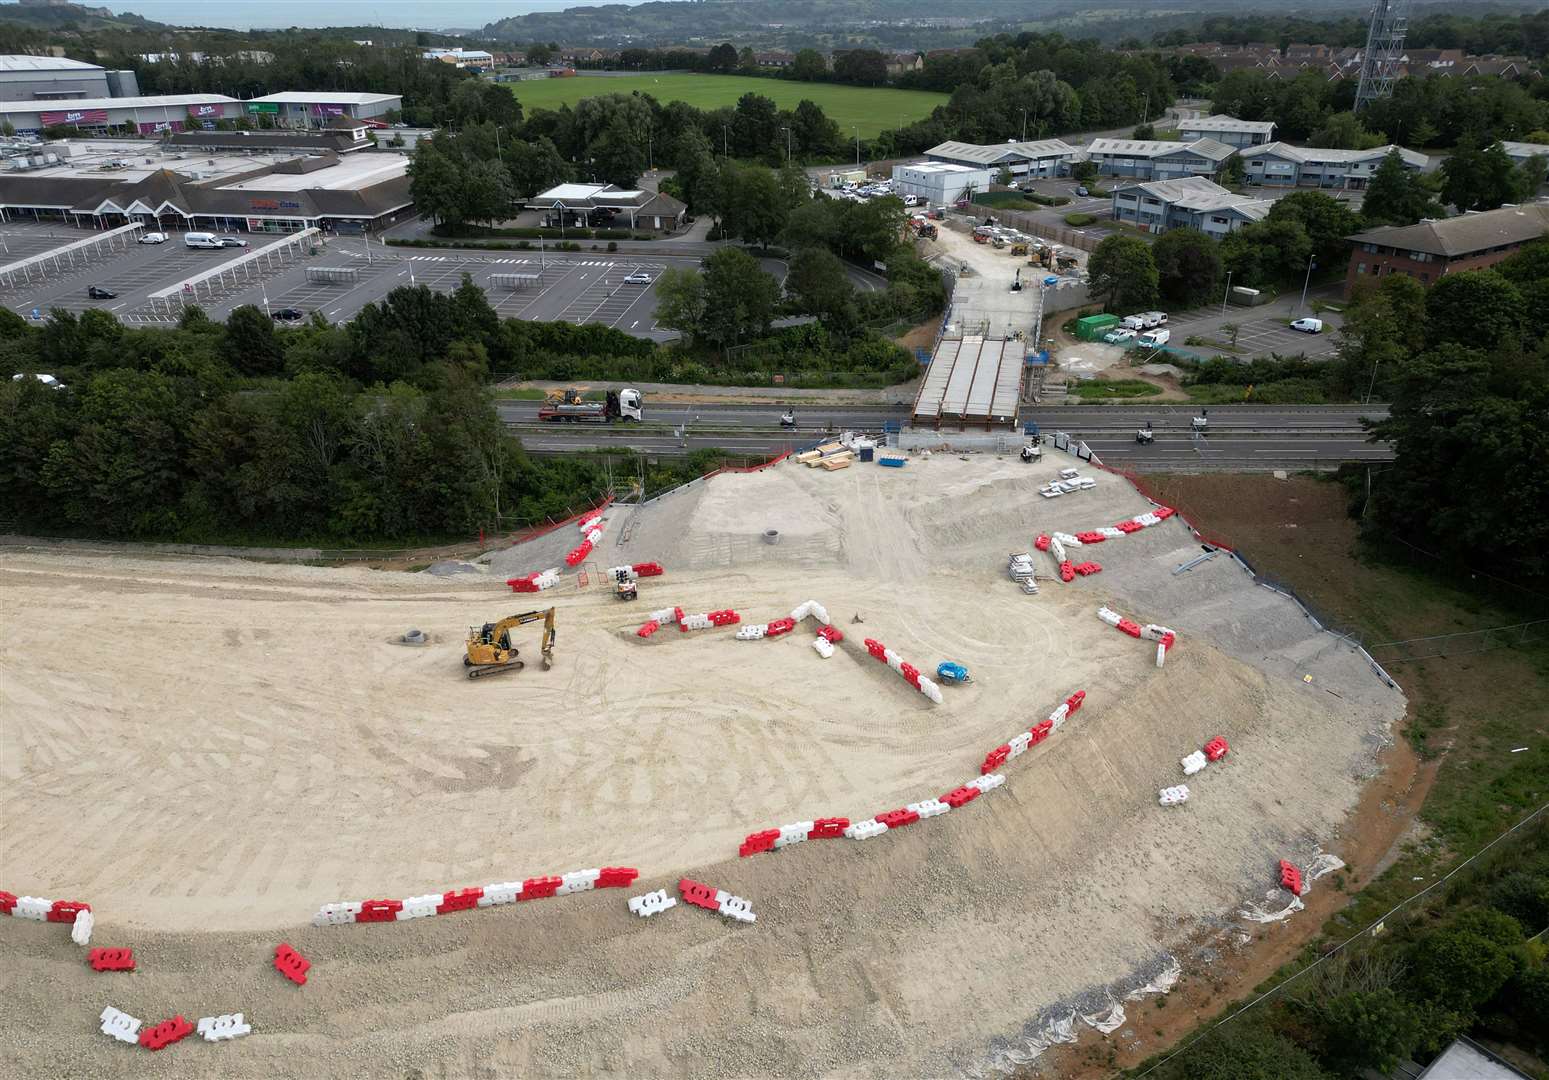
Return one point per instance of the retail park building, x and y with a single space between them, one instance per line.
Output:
183 112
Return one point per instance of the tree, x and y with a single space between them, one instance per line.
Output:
1004 177
1396 196
434 183
617 156
1235 173
1086 171
1460 969
1474 179
249 345
808 66
1530 177
812 131
1123 270
1143 132
1343 131
680 301
740 297
1373 1029
755 127
536 166
486 192
863 67
1242 1051
1188 266
722 58
1325 220
818 284
1475 308
755 208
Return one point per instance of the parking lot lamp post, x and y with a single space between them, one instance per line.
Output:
1306 282
857 146
787 145
1024 123
1227 293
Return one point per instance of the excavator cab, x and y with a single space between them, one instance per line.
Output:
491 652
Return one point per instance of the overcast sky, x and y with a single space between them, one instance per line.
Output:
421 14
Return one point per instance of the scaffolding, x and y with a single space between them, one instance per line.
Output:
1384 51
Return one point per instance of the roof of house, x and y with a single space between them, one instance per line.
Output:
1200 195
1464 234
994 153
170 101
1467 1060
1148 148
1304 154
23 62
1524 149
326 97
1221 122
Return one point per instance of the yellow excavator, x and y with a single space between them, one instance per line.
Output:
490 650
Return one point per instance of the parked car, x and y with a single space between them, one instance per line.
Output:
97 292
1151 339
1119 335
288 314
152 238
639 277
1082 191
1154 319
1308 326
231 241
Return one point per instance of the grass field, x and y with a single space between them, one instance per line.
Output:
872 109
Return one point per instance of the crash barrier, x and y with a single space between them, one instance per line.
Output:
870 828
80 929
445 903
40 910
1173 796
706 619
1214 750
221 1028
535 582
126 1029
1025 740
636 571
166 1033
1193 763
652 903
910 673
111 959
1164 637
576 555
701 895
291 964
1290 878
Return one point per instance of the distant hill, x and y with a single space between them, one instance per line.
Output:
55 16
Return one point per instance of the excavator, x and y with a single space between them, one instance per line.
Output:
490 650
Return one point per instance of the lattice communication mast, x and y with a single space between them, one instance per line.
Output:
1384 50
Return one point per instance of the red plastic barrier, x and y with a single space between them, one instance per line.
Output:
725 618
7 901
539 888
995 759
66 910
698 893
617 877
111 959
1164 512
897 819
649 627
911 674
1042 542
168 1032
1074 701
828 828
1130 627
291 964
648 569
523 585
759 841
1087 569
1290 878
778 627
1129 526
1090 537
960 796
875 648
576 555
1039 732
379 911
1067 571
677 616
831 634
1216 749
466 900
1168 640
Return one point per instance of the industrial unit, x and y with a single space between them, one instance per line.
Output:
1228 130
1279 164
1158 159
1190 202
180 112
941 183
55 78
1044 158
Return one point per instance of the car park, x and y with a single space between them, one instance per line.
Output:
288 315
639 277
1308 326
1119 335
153 238
97 292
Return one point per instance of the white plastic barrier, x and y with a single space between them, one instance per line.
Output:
1109 616
865 830
929 808
547 579
823 647
1148 519
752 632
593 536
665 615
120 1025
930 690
1110 532
502 892
337 914
1058 716
419 907
801 611
1057 549
793 834
1193 763
228 1026
80 930
700 621
1153 632
811 609
1161 653
652 903
892 659
735 907
1067 539
1173 796
987 782
627 571
578 881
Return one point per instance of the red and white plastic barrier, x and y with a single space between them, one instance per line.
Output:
701 895
1025 740
811 609
910 673
121 1026
166 1033
506 892
705 620
536 581
652 903
1213 751
75 912
111 959
823 647
1173 796
224 1027
1056 543
1164 637
1193 763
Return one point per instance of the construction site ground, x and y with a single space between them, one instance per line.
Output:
242 743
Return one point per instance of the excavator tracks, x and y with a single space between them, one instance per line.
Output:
482 670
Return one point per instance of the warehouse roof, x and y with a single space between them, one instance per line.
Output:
994 153
22 62
170 101
1200 195
326 97
1156 148
940 167
1524 149
1221 122
1465 234
1304 154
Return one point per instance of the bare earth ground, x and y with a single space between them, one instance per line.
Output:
208 750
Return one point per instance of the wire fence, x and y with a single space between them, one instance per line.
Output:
1462 643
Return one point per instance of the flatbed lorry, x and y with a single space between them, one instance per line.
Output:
620 405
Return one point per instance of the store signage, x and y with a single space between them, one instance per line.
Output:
275 204
74 116
327 110
204 110
263 107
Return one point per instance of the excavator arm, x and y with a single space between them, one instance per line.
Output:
490 648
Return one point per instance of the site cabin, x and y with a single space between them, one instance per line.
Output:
622 405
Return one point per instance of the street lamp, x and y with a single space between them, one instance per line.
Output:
857 145
725 142
1227 293
1306 282
787 145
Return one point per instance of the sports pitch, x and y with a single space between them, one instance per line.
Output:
871 109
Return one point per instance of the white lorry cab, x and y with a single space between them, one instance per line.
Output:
201 240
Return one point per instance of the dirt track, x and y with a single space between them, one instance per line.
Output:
248 743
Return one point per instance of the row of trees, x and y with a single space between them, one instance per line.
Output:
1487 32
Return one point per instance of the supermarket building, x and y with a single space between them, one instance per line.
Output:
162 113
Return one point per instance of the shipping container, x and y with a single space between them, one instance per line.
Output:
1093 327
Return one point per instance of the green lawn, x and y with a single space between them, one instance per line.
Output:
872 109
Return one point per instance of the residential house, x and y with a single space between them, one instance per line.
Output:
1279 164
1430 249
898 63
1191 202
1044 157
1157 159
1228 130
777 60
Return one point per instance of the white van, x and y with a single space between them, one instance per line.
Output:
1152 338
201 240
